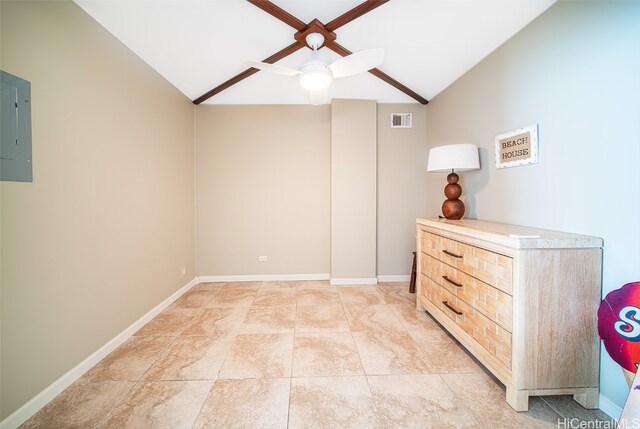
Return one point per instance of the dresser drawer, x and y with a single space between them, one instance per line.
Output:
490 267
492 302
486 332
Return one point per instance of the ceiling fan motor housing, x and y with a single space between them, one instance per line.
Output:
315 73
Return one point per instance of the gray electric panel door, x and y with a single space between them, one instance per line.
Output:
15 132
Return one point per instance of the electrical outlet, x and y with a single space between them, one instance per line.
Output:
262 259
183 271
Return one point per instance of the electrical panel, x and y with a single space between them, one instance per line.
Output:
15 131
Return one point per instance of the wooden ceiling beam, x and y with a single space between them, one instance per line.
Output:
245 74
279 13
354 13
335 47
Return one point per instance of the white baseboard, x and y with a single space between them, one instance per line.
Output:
23 413
354 281
262 278
302 277
396 278
609 408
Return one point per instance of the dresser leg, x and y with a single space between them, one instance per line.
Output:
518 399
412 279
588 399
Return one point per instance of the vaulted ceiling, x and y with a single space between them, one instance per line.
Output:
198 45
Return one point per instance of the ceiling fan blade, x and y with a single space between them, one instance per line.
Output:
341 50
320 96
358 62
248 72
272 68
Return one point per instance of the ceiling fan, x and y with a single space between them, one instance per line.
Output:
316 74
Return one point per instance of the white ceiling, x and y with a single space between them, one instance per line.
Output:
197 45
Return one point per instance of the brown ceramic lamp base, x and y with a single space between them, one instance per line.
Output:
453 208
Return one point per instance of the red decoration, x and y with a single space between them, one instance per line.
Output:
619 325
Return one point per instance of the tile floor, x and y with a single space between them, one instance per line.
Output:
297 355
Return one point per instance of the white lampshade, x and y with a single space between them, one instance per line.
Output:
460 157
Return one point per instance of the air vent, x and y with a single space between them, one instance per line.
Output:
401 120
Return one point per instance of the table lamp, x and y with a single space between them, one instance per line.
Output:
460 157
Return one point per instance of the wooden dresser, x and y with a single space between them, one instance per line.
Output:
522 300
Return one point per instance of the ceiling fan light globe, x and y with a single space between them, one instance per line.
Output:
316 79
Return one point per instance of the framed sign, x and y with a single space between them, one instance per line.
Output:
519 147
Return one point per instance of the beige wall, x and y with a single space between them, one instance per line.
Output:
353 189
402 186
98 238
263 189
574 71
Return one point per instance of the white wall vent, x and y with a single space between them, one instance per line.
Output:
401 120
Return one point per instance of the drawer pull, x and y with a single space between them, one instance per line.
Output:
452 254
452 282
450 307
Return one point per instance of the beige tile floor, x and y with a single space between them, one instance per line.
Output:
298 355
